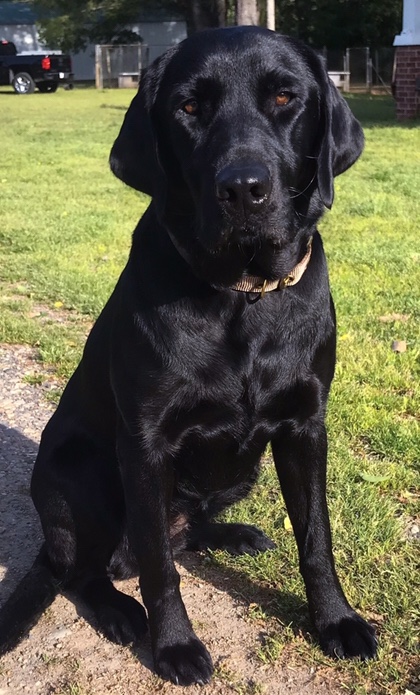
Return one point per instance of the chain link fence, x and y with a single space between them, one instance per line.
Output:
368 69
120 65
355 69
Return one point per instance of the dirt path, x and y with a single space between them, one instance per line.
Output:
63 654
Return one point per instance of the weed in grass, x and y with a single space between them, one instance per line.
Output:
270 650
49 660
71 688
34 379
227 676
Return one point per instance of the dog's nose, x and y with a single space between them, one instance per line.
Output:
247 185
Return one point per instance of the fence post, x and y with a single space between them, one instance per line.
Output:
368 70
140 60
146 58
346 66
99 83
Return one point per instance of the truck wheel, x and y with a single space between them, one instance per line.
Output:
23 83
47 87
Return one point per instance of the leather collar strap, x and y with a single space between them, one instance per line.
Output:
253 283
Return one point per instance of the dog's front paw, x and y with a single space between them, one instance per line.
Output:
349 637
184 663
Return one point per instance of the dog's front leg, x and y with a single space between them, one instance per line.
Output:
300 455
178 654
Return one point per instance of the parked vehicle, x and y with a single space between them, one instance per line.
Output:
45 71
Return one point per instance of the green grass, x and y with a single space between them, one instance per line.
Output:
64 237
66 221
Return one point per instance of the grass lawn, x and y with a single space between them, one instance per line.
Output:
64 237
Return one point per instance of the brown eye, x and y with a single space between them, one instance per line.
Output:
191 107
283 98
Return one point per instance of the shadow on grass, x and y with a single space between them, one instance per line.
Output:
115 107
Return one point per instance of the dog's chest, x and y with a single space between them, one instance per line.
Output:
222 402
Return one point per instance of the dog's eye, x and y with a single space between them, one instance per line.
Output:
190 107
283 98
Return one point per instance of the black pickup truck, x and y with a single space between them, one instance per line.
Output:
26 72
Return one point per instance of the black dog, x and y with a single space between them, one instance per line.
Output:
218 339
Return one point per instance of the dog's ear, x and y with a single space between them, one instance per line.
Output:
134 156
342 141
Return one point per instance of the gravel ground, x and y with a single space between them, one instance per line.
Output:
63 654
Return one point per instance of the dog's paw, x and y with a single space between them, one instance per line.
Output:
122 626
184 663
236 539
350 637
247 540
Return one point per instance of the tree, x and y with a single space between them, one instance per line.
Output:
340 23
203 15
247 12
71 24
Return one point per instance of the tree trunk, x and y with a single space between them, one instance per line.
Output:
220 11
211 13
247 12
271 15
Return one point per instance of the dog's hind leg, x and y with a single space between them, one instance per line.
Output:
78 495
236 539
119 617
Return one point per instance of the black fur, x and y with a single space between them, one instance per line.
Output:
185 381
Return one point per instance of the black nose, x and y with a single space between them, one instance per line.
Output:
244 185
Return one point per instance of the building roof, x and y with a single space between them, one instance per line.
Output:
16 13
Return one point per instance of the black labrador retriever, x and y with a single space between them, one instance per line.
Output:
218 339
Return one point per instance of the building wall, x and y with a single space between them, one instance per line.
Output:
160 36
407 81
24 36
84 63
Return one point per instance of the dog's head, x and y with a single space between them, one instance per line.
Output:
237 134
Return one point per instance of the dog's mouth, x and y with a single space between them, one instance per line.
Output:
237 253
256 249
266 261
266 258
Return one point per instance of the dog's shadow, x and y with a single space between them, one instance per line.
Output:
276 603
21 538
20 529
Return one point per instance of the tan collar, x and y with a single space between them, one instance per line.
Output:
253 283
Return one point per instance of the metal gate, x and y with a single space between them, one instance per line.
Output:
120 65
369 68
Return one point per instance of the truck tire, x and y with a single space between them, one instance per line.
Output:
47 87
23 83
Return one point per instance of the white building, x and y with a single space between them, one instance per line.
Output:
18 24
